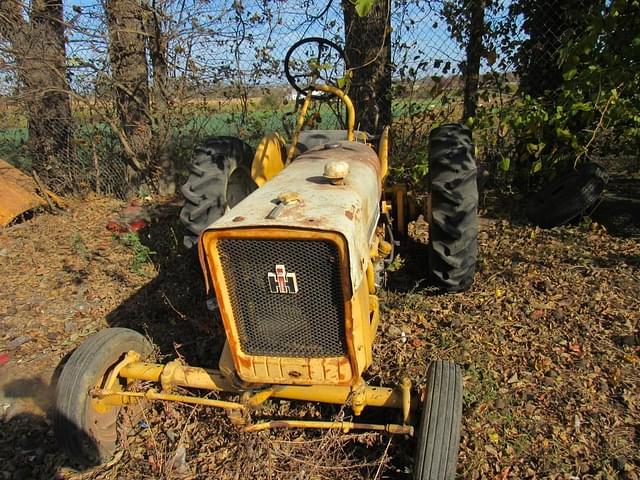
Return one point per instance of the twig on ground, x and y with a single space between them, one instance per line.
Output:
382 460
43 190
168 302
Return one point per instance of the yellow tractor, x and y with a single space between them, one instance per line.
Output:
294 240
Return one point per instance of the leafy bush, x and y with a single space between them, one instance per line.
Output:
527 139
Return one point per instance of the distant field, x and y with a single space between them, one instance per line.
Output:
193 120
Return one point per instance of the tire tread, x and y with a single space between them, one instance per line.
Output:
453 223
439 429
205 189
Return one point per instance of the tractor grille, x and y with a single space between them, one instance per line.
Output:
270 318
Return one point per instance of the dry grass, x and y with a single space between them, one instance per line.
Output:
548 338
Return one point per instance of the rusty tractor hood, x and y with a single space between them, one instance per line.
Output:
350 208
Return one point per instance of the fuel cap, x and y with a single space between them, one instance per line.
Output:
336 171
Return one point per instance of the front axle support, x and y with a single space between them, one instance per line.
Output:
176 374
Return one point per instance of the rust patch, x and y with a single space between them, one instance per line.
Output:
246 362
344 366
239 219
353 212
279 424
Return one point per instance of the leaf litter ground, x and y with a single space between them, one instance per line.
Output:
548 339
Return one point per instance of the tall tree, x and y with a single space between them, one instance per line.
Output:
158 46
128 60
38 49
368 51
474 56
138 55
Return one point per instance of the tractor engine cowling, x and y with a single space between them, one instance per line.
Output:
289 264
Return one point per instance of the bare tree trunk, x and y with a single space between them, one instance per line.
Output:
474 56
38 48
158 50
368 51
127 56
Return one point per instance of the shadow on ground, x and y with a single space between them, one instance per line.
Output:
35 452
411 275
171 308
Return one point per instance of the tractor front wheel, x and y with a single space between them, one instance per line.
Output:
86 430
453 206
220 177
439 429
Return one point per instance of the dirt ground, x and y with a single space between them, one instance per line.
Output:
548 338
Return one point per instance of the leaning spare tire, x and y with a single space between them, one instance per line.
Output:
567 197
219 178
453 206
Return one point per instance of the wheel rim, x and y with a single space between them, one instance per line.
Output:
102 420
102 426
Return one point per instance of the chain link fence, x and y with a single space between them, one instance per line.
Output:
226 60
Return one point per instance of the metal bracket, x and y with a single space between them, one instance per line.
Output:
405 386
358 397
102 405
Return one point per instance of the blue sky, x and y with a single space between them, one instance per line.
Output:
210 28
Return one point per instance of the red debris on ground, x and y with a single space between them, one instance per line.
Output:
133 218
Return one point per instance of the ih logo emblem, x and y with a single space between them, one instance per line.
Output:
282 282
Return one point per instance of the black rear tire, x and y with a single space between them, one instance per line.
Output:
452 216
88 434
568 197
440 424
220 177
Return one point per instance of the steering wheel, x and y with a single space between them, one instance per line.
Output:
311 60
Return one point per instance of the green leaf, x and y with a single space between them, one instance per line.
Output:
533 148
568 75
363 7
563 133
537 166
582 107
314 64
505 163
344 80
